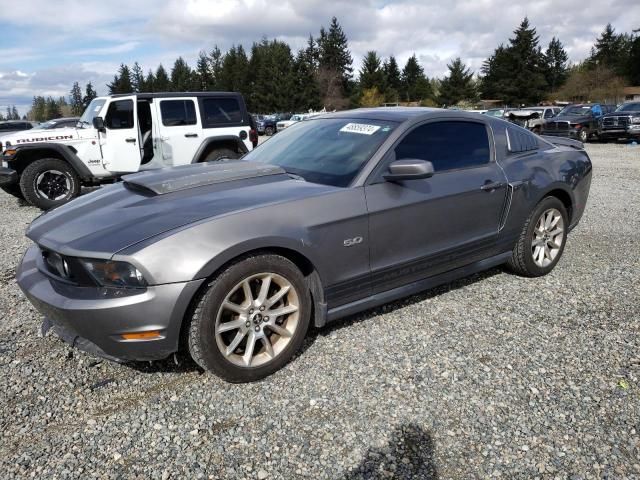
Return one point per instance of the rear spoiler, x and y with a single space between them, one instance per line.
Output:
564 141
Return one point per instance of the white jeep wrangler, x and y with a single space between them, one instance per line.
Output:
121 134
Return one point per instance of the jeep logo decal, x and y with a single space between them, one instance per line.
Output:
44 139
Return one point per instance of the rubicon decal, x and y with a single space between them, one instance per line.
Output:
44 139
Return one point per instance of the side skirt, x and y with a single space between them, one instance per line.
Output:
415 287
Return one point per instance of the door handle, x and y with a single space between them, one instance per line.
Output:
490 187
190 135
130 140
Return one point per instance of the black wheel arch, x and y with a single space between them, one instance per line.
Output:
25 154
231 142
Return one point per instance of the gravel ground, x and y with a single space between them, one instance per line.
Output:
493 376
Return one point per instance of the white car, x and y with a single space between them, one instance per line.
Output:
281 125
121 134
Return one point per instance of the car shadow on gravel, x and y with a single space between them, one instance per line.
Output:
409 454
390 307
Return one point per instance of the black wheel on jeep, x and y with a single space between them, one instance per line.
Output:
268 131
49 182
14 190
219 154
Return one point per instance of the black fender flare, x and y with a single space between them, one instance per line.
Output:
31 152
222 140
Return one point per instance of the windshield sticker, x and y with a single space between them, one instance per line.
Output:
360 128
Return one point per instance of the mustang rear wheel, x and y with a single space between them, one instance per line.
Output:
251 320
542 240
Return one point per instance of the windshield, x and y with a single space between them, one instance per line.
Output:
330 151
495 113
629 107
574 110
92 111
46 125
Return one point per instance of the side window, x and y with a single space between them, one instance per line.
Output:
548 113
119 115
178 112
447 145
220 111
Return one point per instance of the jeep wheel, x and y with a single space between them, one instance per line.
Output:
268 131
14 190
221 154
49 183
252 319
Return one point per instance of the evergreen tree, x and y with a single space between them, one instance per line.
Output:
148 85
611 50
556 64
76 99
458 85
9 116
234 70
161 82
137 78
392 79
270 77
204 76
181 76
14 113
121 81
215 61
334 65
371 73
38 109
633 61
89 95
312 53
306 91
415 85
52 109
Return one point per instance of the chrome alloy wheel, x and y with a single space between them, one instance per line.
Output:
53 185
548 237
257 319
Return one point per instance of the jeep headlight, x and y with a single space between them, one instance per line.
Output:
114 274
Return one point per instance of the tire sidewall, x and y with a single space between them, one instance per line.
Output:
544 205
219 154
210 356
34 169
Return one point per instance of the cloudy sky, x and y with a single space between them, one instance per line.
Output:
47 45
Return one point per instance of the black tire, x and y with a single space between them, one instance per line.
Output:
583 136
221 154
522 261
202 340
13 189
269 131
536 130
65 173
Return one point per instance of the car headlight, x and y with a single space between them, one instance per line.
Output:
114 274
635 119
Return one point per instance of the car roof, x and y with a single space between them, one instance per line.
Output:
63 119
400 114
146 95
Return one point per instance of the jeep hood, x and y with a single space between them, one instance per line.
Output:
25 137
101 223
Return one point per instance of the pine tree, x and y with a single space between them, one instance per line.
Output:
233 75
306 91
52 109
89 95
633 60
14 113
181 76
215 60
392 79
161 82
270 77
556 64
204 77
371 73
458 85
137 78
611 50
121 81
38 109
415 85
148 85
334 65
76 99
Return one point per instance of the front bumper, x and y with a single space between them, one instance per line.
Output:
8 176
93 319
615 133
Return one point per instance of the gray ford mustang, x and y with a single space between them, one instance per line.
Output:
235 260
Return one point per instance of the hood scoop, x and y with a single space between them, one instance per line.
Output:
167 180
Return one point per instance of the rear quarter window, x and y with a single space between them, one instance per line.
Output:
520 140
221 112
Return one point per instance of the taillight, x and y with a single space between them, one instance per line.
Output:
253 137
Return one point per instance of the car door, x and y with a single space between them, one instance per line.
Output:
419 228
119 140
179 129
224 116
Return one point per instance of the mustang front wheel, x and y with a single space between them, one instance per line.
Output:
252 320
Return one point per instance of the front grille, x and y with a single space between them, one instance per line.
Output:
555 126
615 122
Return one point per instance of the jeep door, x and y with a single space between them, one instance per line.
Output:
225 116
423 227
120 139
180 129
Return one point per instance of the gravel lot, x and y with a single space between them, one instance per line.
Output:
493 376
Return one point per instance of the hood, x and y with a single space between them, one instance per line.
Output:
626 113
100 224
37 136
571 119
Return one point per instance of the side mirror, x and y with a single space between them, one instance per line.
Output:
98 123
409 169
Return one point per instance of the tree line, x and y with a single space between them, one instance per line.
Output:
43 109
11 114
272 77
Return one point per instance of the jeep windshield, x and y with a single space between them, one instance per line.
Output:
329 151
629 107
92 111
575 111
